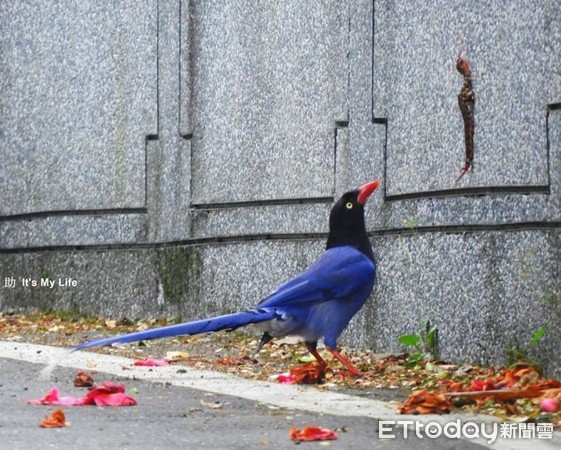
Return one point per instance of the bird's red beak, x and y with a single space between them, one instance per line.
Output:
365 190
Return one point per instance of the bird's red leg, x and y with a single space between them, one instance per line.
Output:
352 369
312 349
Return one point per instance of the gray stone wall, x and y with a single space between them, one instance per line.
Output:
180 158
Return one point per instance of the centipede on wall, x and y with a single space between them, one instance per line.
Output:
466 101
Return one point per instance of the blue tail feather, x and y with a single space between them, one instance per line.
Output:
225 322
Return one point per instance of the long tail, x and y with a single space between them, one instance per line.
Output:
226 322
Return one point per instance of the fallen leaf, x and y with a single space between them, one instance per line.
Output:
288 340
228 361
312 433
55 420
425 402
212 405
83 379
176 356
306 358
520 376
487 384
151 362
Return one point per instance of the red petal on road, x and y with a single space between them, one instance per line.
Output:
312 434
309 373
109 394
55 420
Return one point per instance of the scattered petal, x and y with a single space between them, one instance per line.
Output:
109 394
286 378
116 399
151 362
55 420
309 373
425 402
53 398
550 405
488 384
312 434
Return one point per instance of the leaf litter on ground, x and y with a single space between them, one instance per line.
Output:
516 393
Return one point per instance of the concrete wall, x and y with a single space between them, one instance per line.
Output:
180 158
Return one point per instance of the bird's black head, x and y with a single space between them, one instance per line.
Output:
346 222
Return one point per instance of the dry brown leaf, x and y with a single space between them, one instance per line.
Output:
83 379
212 405
228 361
176 356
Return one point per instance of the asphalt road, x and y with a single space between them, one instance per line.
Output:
175 410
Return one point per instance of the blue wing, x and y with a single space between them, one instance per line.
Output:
337 274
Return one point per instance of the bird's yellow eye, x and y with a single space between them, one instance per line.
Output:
349 205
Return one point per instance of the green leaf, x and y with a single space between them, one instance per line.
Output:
431 336
538 334
306 358
413 359
431 367
409 340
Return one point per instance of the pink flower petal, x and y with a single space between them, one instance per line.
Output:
117 399
150 362
286 378
108 394
53 398
550 405
107 388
